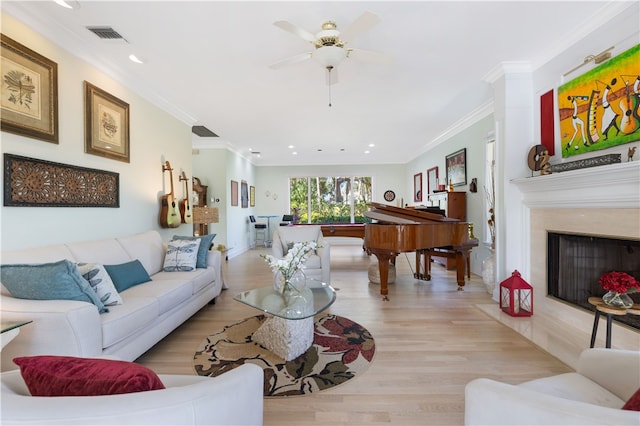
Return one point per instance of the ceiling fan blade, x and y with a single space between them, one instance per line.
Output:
368 56
296 30
331 76
291 60
360 25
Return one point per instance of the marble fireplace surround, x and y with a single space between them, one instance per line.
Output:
602 201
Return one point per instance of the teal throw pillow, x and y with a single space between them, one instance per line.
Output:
127 274
49 281
205 245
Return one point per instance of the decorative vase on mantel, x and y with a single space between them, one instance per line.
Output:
617 300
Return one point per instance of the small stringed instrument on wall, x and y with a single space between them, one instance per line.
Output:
185 205
169 216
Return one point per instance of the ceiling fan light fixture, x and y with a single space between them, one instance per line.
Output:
329 56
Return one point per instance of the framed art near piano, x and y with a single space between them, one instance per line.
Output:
417 187
432 180
456 165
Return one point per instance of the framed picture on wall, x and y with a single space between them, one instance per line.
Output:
432 180
252 196
456 164
244 194
106 127
234 193
29 92
417 187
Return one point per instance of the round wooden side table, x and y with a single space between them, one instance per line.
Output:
610 312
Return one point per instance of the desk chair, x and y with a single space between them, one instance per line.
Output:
286 220
260 230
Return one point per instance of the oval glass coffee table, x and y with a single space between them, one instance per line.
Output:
288 332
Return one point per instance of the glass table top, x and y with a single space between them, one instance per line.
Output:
313 299
10 325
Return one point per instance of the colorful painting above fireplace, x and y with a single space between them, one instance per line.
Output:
601 108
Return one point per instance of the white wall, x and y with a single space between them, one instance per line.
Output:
155 136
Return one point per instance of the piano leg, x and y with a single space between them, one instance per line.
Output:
384 259
461 266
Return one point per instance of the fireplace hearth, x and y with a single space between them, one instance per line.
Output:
576 262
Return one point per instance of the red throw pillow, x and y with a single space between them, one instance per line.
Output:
633 403
48 375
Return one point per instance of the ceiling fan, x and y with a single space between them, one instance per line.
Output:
330 45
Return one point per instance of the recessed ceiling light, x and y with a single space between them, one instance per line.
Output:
294 153
135 59
367 152
371 145
291 146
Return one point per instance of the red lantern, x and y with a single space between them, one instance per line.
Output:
516 296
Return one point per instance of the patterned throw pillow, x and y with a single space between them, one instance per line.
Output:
49 281
100 282
203 250
182 255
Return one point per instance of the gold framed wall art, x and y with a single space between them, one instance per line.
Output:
106 124
29 92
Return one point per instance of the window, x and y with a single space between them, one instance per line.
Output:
330 199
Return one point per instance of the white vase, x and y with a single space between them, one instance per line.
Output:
489 272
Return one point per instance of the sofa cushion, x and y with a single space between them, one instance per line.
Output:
167 293
49 281
70 376
182 255
105 252
200 278
633 403
147 247
127 274
575 387
205 245
100 281
127 319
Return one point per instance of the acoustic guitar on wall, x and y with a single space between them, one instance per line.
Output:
185 206
169 216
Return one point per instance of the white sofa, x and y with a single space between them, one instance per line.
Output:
594 395
150 310
318 266
233 398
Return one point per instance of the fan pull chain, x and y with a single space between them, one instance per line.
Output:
329 69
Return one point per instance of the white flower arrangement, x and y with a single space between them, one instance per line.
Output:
293 261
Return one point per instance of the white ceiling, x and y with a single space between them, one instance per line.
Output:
207 62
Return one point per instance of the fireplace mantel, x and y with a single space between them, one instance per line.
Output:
610 186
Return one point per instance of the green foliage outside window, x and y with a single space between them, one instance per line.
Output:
330 199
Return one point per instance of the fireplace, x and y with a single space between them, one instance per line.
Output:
598 202
575 262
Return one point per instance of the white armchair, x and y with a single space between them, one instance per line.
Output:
319 264
233 398
594 395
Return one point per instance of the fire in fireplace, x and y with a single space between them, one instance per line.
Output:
576 262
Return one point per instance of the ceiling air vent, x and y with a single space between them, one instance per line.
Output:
203 132
106 33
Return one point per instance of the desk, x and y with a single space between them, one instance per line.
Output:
610 312
268 217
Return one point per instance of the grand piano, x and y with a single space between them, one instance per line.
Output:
399 230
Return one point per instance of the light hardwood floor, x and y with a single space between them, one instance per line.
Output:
430 341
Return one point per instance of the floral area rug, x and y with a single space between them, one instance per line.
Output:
342 349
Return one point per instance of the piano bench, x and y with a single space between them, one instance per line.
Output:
449 254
